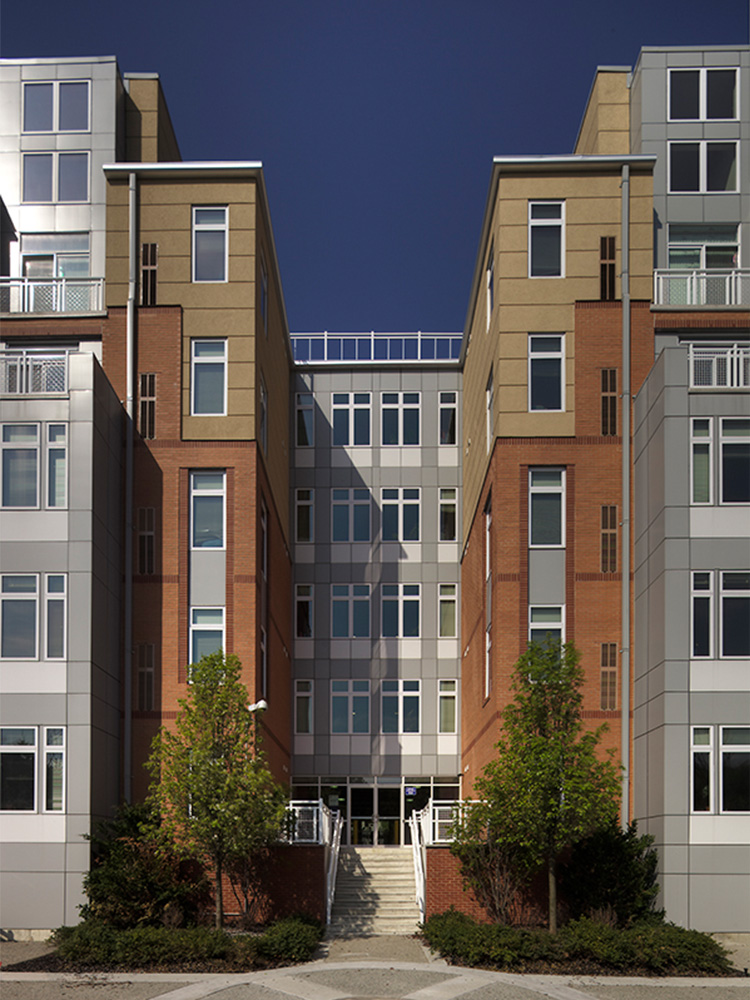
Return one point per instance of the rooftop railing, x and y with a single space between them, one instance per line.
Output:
33 373
719 367
707 288
51 295
397 348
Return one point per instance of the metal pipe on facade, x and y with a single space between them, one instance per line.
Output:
127 747
625 502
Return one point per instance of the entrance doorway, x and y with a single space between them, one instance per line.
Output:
375 815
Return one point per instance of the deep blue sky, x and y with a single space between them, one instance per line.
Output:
376 120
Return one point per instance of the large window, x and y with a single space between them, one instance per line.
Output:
24 477
28 769
206 632
447 706
400 415
55 177
702 94
350 515
400 706
350 706
696 167
546 239
303 611
447 418
545 372
735 769
448 521
733 627
447 618
400 514
351 418
546 507
735 460
703 246
350 610
546 624
207 506
56 106
209 377
303 707
210 243
400 610
31 629
305 420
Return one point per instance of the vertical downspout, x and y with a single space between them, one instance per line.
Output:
128 622
625 502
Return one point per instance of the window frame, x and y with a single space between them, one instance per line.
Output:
304 598
447 694
733 593
196 494
697 441
447 596
447 502
724 441
33 597
609 398
707 749
540 223
12 749
546 355
395 689
703 166
703 73
50 598
405 502
743 748
206 227
196 628
405 404
56 159
354 598
558 626
609 531
701 593
608 677
8 445
403 596
50 750
147 405
56 86
352 404
345 503
351 691
305 404
447 404
304 698
216 360
304 500
557 489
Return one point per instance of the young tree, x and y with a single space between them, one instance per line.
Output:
547 788
211 785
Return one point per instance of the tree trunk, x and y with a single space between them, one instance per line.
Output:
552 894
219 897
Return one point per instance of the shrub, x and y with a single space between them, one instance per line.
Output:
293 939
95 944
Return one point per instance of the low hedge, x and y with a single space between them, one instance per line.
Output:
650 947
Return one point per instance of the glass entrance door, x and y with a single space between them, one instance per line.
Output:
375 816
362 818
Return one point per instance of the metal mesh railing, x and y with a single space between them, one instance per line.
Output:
30 373
678 287
720 367
51 295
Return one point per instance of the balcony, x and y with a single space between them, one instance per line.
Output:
707 289
33 373
24 296
378 348
719 367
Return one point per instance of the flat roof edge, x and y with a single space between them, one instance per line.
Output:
572 159
50 60
194 166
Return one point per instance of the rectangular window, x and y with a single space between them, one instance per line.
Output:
447 619
350 516
210 243
38 107
545 372
546 624
735 769
609 402
735 614
20 465
304 526
447 706
147 405
350 611
206 632
400 515
146 676
607 268
400 706
546 239
209 378
702 615
207 509
489 407
490 282
400 610
702 94
448 519
303 611
350 707
351 418
54 769
303 707
56 106
305 420
37 177
72 176
149 257
546 507
57 464
18 769
700 469
19 617
735 460
400 416
609 677
55 615
55 177
447 418
146 539
701 790
263 414
702 167
608 523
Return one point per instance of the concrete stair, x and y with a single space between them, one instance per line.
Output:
375 893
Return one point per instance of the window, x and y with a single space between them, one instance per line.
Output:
57 464
55 177
448 521
447 713
400 610
305 420
702 615
350 706
149 256
147 405
350 611
55 617
264 292
303 707
609 677
304 532
703 247
400 515
400 706
609 402
489 405
146 539
702 166
701 792
351 418
56 106
607 268
400 415
210 229
350 513
701 461
609 538
490 282
545 372
146 676
263 414
546 624
207 510
546 521
735 460
37 176
209 377
19 776
735 768
735 614
546 239
19 625
20 465
702 94
447 610
303 614
447 418
206 632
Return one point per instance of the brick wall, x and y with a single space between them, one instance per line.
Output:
293 881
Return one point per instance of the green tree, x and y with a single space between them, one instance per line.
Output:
210 783
548 787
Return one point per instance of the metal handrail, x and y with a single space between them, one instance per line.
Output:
702 287
719 367
33 373
51 295
333 862
420 861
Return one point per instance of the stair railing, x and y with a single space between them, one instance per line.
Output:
333 846
419 857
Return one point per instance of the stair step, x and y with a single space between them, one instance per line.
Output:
375 893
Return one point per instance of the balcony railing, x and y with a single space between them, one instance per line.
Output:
708 288
51 295
720 367
33 373
401 348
